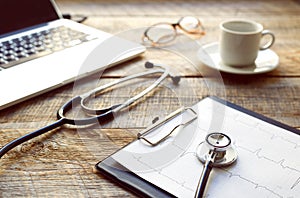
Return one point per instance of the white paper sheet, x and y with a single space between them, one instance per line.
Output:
268 163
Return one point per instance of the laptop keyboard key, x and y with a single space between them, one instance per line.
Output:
39 44
25 59
22 55
3 61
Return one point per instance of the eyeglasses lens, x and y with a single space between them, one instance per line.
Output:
191 25
161 33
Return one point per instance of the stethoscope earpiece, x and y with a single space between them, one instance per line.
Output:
149 65
175 79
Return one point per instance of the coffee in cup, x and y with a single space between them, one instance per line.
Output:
240 42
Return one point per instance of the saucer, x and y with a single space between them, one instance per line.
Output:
267 60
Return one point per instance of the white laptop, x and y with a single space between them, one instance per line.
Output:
40 51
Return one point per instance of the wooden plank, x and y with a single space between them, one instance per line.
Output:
125 18
177 7
286 45
268 96
61 164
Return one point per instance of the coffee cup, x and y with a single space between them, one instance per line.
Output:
240 42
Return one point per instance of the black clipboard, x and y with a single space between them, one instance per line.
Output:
119 174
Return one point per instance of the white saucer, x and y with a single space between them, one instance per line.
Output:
267 60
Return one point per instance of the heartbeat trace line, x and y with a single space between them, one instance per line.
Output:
280 162
261 128
256 185
259 156
256 152
273 136
159 171
296 183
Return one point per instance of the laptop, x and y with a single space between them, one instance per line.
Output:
41 51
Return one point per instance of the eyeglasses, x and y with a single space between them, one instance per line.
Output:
164 33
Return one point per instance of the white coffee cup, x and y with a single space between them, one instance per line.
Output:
240 41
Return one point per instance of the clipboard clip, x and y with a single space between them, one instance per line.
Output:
142 135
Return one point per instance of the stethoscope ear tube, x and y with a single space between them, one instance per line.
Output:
106 114
118 107
67 107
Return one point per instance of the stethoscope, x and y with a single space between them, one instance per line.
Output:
95 115
215 151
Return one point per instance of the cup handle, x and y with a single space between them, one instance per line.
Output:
271 42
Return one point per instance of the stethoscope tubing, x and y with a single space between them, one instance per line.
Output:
117 108
100 115
203 179
31 135
105 115
61 121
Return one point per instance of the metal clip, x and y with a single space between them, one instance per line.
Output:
150 129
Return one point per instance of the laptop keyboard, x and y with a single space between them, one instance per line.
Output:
39 44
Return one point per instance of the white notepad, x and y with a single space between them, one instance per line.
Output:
268 163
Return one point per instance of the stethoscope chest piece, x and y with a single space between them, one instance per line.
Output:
219 143
215 151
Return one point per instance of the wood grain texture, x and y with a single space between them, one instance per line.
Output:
60 163
281 17
267 96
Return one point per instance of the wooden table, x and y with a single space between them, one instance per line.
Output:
61 162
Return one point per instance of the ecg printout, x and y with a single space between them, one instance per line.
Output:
268 163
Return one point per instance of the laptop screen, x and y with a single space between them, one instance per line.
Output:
19 14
